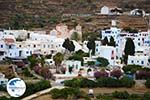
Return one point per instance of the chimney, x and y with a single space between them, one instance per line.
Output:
113 23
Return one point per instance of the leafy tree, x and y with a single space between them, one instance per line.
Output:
101 73
91 63
78 55
71 46
104 62
91 46
116 73
90 35
58 58
105 41
75 36
33 61
112 42
68 45
129 49
131 68
46 73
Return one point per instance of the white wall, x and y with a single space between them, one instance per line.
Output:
139 60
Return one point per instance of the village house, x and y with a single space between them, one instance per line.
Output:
111 10
137 12
72 66
62 31
3 80
139 60
112 31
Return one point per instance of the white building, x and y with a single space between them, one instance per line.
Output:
137 12
107 52
72 66
112 31
105 10
50 61
139 60
3 80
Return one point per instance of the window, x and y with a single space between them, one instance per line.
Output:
27 52
44 46
1 46
138 44
132 61
142 62
19 45
34 45
2 82
96 50
9 46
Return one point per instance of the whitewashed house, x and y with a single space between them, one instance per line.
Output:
107 52
139 60
112 31
137 12
107 10
3 80
72 66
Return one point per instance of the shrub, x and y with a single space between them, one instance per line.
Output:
127 82
120 95
33 88
2 88
142 74
87 83
146 96
43 71
134 97
147 83
80 82
66 92
131 68
100 82
116 73
101 73
103 97
27 73
108 82
104 62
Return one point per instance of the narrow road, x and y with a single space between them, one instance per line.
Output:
41 93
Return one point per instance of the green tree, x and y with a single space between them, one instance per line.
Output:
103 61
112 42
91 46
75 36
33 61
58 58
68 45
129 49
105 41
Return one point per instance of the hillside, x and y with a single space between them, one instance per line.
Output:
46 14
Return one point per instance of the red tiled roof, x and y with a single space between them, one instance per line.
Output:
9 40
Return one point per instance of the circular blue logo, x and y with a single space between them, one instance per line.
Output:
16 87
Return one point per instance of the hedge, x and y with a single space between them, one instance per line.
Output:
101 82
66 92
120 95
147 83
33 88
